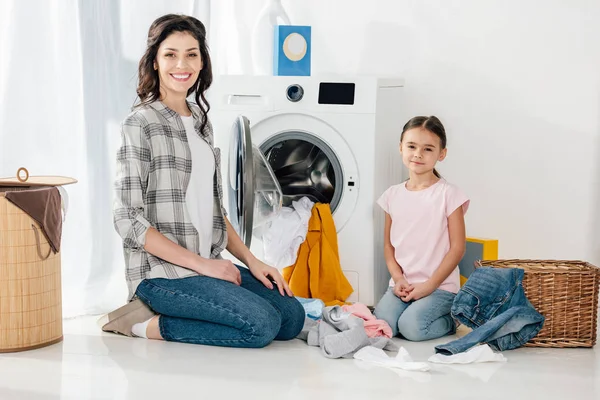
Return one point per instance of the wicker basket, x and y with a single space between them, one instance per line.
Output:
30 283
566 294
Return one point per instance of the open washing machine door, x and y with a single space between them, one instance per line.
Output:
255 197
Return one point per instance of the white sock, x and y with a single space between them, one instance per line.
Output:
139 329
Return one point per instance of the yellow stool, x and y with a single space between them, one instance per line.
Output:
477 249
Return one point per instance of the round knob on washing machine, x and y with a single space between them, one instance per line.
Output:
294 93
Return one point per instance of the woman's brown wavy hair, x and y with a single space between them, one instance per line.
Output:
148 89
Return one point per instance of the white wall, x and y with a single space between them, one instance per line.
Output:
515 82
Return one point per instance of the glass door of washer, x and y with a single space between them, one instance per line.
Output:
255 197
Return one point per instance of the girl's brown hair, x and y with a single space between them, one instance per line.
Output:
433 125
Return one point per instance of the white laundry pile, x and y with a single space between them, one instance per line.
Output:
477 354
403 360
287 232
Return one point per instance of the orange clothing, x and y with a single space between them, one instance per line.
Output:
317 272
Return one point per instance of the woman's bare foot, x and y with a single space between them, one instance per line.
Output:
153 330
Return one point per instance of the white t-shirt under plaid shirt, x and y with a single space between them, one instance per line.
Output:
154 166
198 197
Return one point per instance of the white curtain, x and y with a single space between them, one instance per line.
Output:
68 72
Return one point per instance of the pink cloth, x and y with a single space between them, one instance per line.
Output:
419 231
373 327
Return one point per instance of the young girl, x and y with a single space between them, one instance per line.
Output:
424 238
169 213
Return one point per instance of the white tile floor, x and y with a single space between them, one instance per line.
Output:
92 365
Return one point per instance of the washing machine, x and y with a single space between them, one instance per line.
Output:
332 139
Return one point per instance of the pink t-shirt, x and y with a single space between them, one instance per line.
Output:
419 231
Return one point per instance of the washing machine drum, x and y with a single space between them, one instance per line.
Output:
286 167
304 167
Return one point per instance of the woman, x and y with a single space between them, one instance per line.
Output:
169 213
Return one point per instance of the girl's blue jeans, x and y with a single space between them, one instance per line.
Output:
423 319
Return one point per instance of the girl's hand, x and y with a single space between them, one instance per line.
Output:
419 290
267 275
402 288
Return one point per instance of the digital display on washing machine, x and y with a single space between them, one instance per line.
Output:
336 93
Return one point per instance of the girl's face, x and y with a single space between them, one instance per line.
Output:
179 63
421 150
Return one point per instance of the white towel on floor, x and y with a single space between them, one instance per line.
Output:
477 354
403 360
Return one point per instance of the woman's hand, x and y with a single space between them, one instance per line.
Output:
220 269
419 290
267 275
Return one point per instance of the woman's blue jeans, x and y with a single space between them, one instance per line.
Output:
209 311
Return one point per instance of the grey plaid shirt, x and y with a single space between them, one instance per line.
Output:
154 164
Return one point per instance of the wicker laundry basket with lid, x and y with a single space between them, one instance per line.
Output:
30 274
565 293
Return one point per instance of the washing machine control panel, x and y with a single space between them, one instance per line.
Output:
335 93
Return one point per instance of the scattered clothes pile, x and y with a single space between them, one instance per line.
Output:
340 334
313 308
403 360
303 241
373 326
492 302
317 272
